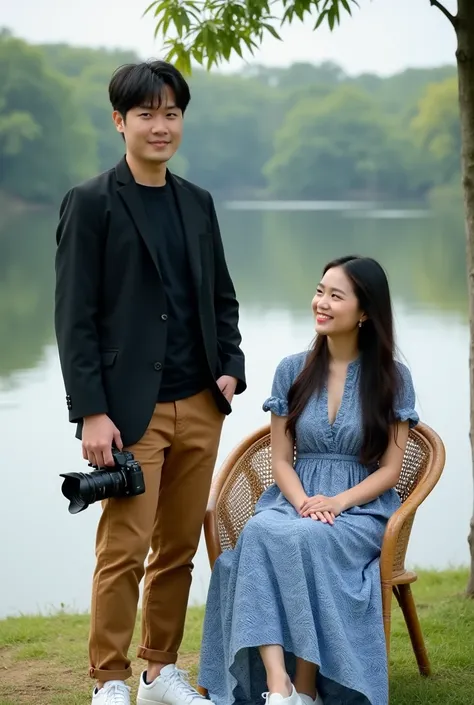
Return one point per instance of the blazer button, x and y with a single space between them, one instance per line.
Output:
164 317
157 366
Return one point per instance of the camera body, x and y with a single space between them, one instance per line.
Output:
125 479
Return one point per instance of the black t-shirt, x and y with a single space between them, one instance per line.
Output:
185 371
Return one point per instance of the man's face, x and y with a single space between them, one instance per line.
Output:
152 134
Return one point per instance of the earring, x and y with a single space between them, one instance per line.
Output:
360 324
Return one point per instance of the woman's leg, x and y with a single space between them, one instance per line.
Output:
305 678
278 680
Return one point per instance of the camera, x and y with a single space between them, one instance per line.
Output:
123 480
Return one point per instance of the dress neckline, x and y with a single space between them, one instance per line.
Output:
350 374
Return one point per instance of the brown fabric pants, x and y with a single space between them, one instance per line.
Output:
177 455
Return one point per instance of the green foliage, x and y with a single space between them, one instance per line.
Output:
302 131
437 131
212 30
15 128
228 132
400 93
90 71
46 141
74 62
337 144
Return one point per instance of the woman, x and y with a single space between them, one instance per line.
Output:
296 608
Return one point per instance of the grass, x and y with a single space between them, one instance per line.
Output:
43 659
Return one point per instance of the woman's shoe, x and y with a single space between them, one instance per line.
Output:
279 699
308 700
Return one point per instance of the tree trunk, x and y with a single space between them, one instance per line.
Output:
465 60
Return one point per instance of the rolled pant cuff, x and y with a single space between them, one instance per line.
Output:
165 657
103 675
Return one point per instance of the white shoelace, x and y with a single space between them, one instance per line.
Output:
177 679
117 694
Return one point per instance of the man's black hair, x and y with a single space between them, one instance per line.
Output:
143 84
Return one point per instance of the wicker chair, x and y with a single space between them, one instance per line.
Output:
247 472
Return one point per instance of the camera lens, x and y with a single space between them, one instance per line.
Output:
82 489
124 480
79 490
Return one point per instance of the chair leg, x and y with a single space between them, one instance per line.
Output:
405 599
387 614
387 618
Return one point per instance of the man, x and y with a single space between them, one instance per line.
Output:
147 328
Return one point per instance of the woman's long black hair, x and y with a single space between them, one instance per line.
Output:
379 376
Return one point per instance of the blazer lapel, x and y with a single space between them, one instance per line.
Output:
191 212
193 225
128 191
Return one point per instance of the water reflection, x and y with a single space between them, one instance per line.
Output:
275 258
26 278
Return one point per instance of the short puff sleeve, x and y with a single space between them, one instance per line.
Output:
405 397
285 375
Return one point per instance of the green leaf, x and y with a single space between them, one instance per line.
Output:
198 53
226 51
272 30
251 46
145 12
320 19
236 46
164 7
209 31
300 10
160 26
288 15
331 17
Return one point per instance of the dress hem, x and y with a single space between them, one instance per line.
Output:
321 673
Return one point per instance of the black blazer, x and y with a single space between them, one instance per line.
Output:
110 300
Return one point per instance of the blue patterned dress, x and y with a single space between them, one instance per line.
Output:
311 587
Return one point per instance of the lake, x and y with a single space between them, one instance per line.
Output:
275 253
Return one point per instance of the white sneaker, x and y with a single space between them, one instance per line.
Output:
169 688
308 700
113 693
278 699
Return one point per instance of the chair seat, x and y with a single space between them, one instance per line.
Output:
405 578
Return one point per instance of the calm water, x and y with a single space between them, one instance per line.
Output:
275 255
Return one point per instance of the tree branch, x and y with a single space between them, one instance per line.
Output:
446 13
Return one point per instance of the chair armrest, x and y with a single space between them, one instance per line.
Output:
211 534
392 533
211 527
408 509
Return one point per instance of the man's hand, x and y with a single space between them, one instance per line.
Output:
227 385
321 508
98 435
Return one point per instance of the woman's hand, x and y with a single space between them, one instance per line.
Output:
321 508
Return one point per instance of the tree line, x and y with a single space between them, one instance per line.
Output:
301 132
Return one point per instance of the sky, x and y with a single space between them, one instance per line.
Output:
383 36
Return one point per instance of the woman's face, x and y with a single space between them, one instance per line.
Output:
335 305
